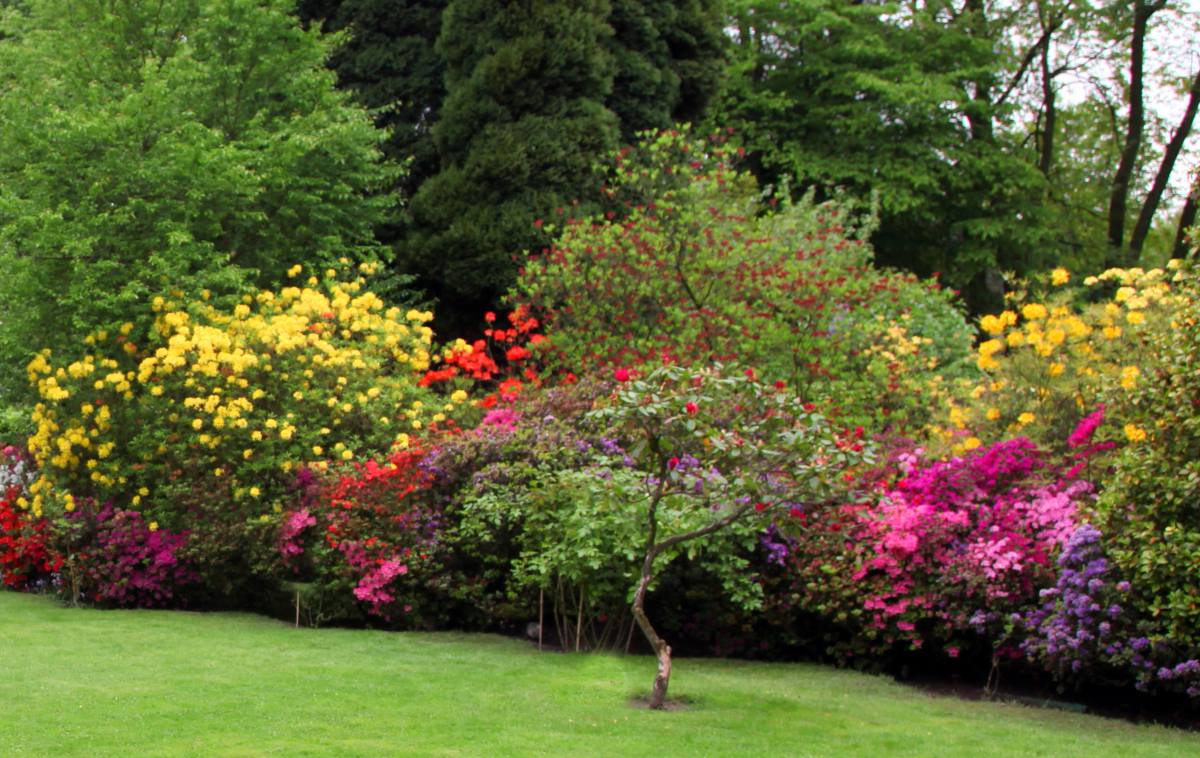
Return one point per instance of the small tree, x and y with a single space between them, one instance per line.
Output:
713 450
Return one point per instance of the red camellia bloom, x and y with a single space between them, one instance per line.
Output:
691 409
621 375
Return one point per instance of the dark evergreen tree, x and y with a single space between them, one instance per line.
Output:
523 124
669 59
389 60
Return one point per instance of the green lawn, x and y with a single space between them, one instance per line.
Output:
149 683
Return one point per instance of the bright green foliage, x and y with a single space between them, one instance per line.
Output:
185 144
523 122
1150 508
887 101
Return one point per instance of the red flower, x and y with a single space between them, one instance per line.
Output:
489 317
780 385
691 409
516 354
760 506
621 375
673 463
750 374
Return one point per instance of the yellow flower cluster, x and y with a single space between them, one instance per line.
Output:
223 401
1045 364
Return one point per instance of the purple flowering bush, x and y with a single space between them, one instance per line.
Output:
115 557
1087 627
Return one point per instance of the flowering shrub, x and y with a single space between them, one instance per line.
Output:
200 427
363 530
943 554
695 266
1149 511
24 556
1087 626
116 557
1047 364
500 364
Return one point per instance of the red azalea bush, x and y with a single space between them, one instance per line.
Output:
695 265
24 555
365 532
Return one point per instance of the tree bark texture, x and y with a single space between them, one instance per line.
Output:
1119 199
1174 147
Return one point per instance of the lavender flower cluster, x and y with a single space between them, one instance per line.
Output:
1082 625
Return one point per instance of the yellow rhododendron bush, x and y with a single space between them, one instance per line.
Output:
201 430
1046 363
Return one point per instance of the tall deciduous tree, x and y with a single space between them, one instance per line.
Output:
168 144
900 101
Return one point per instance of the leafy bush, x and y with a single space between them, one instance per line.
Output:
1150 509
695 265
201 428
187 144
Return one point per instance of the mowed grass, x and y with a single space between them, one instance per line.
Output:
151 683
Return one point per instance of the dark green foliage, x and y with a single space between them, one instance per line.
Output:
389 61
523 122
668 56
157 146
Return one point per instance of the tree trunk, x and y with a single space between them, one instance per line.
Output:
1119 198
979 114
1142 228
662 651
1187 219
1046 152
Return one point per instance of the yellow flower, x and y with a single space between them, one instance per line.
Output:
1129 377
153 526
1135 433
1059 277
991 324
255 492
458 396
197 424
318 450
347 454
970 443
1112 332
1026 418
993 414
1135 317
1034 311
